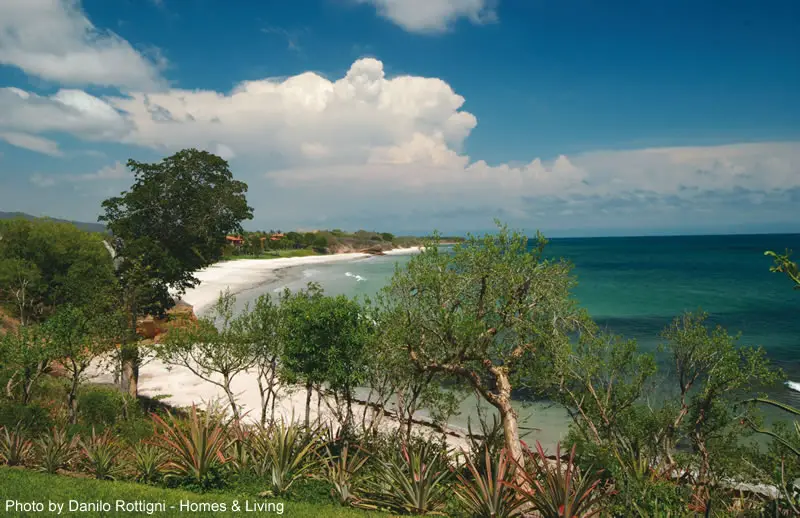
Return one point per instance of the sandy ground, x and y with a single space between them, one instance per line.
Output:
183 388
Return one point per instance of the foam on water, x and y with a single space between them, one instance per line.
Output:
357 277
793 385
310 273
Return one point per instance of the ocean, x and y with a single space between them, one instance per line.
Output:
635 286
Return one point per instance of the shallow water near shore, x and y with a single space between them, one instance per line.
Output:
633 287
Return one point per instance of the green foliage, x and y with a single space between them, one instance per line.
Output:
494 314
784 264
173 221
26 356
195 448
291 452
559 490
148 462
324 342
15 447
342 471
100 455
100 407
55 450
45 264
413 480
32 418
486 491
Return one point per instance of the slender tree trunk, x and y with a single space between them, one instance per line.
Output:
308 404
73 395
231 399
508 417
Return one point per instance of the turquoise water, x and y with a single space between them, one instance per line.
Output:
635 286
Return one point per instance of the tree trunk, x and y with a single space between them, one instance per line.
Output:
130 377
232 400
508 417
73 399
308 404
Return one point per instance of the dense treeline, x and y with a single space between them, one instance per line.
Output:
493 317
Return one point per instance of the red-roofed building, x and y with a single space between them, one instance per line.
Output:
235 240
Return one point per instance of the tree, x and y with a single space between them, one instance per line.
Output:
171 223
212 346
26 356
78 338
493 314
784 264
45 264
711 370
323 339
262 325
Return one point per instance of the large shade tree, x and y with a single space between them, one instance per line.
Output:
494 313
171 223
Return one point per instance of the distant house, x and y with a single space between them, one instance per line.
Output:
276 237
235 240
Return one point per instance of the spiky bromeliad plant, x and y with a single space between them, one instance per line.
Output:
558 489
148 462
55 450
195 448
342 471
100 455
485 492
290 452
414 481
15 447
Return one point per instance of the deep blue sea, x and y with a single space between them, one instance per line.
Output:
635 286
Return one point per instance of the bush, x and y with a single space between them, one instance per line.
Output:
33 418
100 407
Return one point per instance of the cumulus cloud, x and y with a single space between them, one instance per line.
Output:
116 171
32 143
54 40
433 15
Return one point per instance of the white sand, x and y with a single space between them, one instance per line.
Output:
184 388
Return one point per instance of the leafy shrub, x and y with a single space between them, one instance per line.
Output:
100 455
55 450
413 480
195 447
289 450
486 493
148 463
556 489
100 407
15 448
32 418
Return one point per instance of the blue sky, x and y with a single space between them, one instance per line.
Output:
575 117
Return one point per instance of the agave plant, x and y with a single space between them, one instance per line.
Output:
148 462
55 450
239 450
558 489
289 450
414 481
486 492
342 470
100 456
15 448
195 448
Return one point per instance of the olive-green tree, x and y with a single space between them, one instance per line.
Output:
26 355
494 313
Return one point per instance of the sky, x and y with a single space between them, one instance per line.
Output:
575 117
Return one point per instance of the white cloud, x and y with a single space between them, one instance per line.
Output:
54 40
433 15
32 143
114 172
68 111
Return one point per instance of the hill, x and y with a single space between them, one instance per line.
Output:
91 227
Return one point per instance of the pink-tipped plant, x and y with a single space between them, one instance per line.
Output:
195 448
558 489
15 447
100 455
485 491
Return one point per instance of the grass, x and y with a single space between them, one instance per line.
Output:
275 254
25 486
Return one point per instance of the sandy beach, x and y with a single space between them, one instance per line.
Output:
183 388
